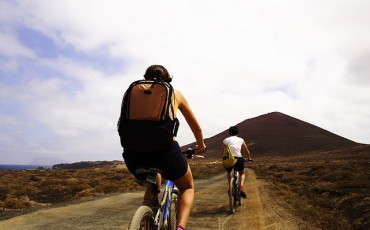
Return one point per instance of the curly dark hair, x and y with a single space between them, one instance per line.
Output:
233 130
157 72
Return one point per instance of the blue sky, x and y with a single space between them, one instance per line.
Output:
64 66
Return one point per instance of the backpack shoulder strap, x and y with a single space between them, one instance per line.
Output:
170 99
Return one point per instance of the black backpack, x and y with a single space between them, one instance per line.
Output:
147 122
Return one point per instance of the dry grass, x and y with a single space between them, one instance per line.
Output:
23 190
330 189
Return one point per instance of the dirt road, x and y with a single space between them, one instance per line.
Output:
210 211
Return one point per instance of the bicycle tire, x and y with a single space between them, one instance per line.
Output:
235 194
240 198
231 196
240 202
143 219
172 219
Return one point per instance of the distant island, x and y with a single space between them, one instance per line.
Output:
23 167
90 164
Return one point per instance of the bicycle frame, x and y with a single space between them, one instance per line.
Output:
161 218
165 217
237 186
234 191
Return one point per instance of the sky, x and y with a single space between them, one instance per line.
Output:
65 64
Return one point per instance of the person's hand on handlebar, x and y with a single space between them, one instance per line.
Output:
199 150
190 153
248 160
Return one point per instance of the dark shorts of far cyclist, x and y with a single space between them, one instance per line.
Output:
239 165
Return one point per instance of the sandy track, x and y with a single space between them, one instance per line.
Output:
258 211
210 211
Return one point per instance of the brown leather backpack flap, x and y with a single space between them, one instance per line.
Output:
147 101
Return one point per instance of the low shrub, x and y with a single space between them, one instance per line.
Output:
330 189
27 188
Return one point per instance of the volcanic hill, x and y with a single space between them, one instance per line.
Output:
278 133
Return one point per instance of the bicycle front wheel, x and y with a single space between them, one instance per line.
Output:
143 219
172 219
231 195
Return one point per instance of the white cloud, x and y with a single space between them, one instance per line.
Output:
10 66
232 60
11 47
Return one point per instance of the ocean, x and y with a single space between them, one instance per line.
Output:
24 167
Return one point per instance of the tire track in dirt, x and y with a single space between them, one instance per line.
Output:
210 210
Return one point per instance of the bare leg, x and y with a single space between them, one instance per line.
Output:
158 179
229 175
186 197
242 178
148 195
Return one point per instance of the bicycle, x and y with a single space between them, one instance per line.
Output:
235 198
165 217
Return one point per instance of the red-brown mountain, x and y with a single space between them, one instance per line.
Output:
277 133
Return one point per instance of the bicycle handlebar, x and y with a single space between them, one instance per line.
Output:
190 153
249 161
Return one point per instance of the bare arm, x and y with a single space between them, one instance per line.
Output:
245 147
191 120
222 150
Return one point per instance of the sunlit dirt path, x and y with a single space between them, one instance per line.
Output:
210 211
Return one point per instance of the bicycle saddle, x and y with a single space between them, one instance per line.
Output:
150 171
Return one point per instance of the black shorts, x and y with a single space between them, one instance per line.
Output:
172 163
239 165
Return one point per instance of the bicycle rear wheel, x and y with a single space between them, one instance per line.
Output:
240 198
143 219
231 196
237 196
